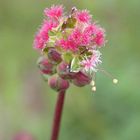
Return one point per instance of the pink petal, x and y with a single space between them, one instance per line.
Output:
54 11
83 16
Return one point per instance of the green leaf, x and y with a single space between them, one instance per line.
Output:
46 50
52 33
75 67
45 77
69 23
67 57
55 33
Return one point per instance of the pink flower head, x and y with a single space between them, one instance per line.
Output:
68 44
96 56
40 40
42 36
100 38
48 25
86 39
90 64
91 29
81 38
54 12
76 36
83 16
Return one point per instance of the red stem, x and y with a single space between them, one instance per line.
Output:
57 115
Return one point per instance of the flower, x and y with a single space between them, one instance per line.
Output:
70 47
68 44
91 29
86 39
42 36
100 38
48 25
83 16
90 64
54 11
76 36
39 42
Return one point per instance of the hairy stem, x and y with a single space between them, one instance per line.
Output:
58 115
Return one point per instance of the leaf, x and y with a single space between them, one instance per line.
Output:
67 57
52 33
75 67
45 77
46 50
69 23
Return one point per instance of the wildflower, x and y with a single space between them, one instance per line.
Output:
86 39
70 45
91 29
100 38
83 16
39 42
91 63
76 36
42 36
54 11
96 56
48 25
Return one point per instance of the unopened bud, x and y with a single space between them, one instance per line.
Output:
45 66
81 79
57 83
64 71
54 56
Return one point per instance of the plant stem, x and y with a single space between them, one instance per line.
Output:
58 115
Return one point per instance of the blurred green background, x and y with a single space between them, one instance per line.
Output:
27 103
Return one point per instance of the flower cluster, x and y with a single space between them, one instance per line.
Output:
69 46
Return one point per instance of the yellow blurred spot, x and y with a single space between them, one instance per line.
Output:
115 81
94 88
92 83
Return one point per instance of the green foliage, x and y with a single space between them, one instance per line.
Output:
69 23
67 57
75 64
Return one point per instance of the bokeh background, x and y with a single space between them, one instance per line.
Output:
26 101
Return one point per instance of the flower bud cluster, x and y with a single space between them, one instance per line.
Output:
69 46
